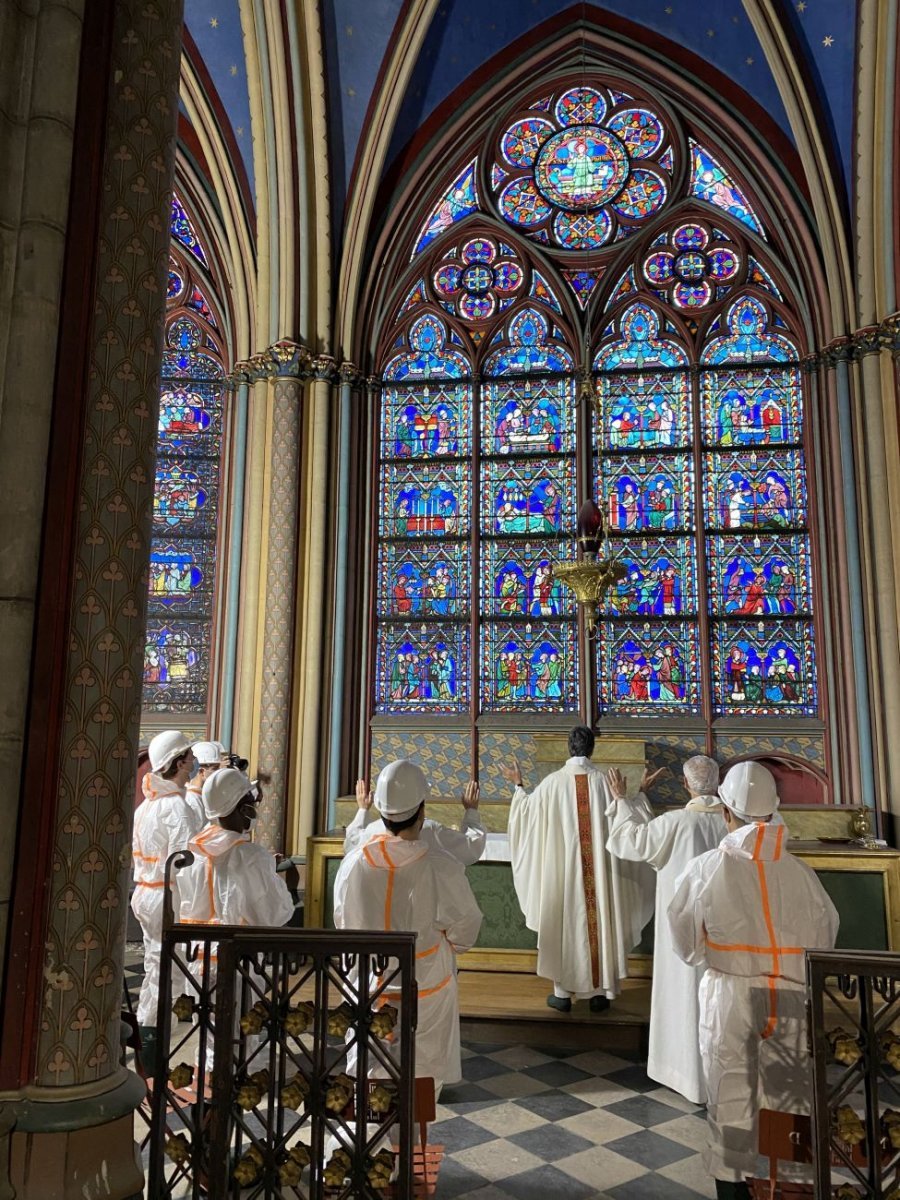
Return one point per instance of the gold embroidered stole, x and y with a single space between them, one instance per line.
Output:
586 847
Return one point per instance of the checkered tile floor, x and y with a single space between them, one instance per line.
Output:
547 1122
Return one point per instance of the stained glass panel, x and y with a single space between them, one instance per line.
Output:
764 668
184 498
661 579
183 231
422 668
644 411
430 421
648 667
749 338
460 200
181 577
425 500
762 406
755 489
652 493
530 667
710 182
530 349
176 666
759 576
640 345
531 416
517 581
528 496
423 580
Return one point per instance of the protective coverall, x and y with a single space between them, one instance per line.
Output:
466 844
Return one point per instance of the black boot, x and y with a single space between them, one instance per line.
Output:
726 1190
560 1003
149 1050
598 1004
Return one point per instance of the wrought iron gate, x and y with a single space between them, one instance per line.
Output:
291 1069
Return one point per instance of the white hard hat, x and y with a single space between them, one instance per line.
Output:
223 792
749 791
206 753
221 749
400 789
166 747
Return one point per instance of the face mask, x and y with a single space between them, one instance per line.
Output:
195 770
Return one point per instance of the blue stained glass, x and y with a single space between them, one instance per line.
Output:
542 291
178 577
660 578
582 284
646 493
175 285
176 665
755 489
748 338
710 182
422 668
751 406
183 231
185 415
529 496
190 365
528 417
644 410
639 344
580 105
530 348
582 231
764 668
414 298
640 130
529 667
760 277
428 356
433 420
179 495
760 576
460 200
427 580
200 304
425 500
523 140
517 578
649 667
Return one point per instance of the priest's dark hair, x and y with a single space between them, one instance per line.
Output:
581 742
406 823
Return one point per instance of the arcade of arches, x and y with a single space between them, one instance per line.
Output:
317 325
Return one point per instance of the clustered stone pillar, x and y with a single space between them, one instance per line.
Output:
74 1131
290 363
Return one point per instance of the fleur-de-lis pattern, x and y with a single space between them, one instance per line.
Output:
79 1028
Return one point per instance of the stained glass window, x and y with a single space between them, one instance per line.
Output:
186 494
696 457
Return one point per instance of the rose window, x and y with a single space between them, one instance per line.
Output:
582 170
480 279
691 267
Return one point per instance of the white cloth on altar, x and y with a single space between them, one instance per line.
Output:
465 844
546 860
667 843
396 884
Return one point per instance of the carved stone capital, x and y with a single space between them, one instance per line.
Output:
350 373
867 341
323 366
889 332
839 349
289 358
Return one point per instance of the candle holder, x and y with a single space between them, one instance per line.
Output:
590 577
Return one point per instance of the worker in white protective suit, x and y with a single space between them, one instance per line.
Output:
747 911
465 844
668 843
163 822
208 759
397 881
232 880
587 908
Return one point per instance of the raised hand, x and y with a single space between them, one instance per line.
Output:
511 772
363 795
471 795
616 781
649 777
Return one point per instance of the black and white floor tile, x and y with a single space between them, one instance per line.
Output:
541 1123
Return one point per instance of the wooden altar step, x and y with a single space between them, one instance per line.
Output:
505 1006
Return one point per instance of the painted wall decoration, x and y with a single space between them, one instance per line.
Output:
186 490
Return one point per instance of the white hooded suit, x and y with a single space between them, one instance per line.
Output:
466 844
392 883
668 843
747 911
163 823
587 909
232 881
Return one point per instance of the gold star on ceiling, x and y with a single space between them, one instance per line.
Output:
351 91
801 6
240 131
214 22
348 29
828 41
749 62
669 9
710 33
234 68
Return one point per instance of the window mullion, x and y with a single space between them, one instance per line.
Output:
703 599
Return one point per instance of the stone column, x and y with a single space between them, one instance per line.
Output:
73 1108
290 364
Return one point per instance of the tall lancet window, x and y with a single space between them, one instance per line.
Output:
593 232
186 495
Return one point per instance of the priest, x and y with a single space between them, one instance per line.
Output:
587 908
668 843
